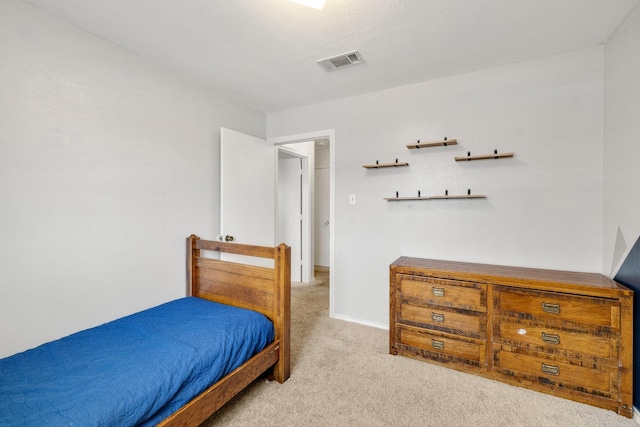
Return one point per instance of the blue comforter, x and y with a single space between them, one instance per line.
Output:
137 370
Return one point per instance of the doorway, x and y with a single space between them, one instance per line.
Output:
294 204
292 216
292 142
321 212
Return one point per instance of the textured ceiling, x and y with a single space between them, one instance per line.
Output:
264 52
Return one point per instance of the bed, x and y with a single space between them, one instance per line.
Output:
175 364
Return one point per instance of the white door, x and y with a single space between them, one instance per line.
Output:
289 212
322 213
302 242
247 189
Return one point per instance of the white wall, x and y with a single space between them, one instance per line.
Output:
107 163
621 142
544 207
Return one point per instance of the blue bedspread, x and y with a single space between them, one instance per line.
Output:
133 371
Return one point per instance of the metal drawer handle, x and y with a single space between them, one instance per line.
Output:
551 308
551 338
437 344
437 317
550 369
437 292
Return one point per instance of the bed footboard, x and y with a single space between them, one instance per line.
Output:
263 289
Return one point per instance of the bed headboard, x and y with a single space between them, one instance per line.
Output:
263 289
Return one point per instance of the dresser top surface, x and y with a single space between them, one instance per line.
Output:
555 280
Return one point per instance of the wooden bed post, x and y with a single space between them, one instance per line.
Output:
282 267
192 254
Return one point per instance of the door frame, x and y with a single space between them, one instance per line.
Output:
312 136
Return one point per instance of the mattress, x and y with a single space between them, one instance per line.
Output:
136 370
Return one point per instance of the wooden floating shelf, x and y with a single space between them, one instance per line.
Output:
462 196
484 156
444 143
385 165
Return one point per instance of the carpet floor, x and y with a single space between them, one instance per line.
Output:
343 375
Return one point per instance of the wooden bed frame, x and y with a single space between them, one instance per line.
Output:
266 290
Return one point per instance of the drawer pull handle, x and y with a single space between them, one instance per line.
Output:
550 308
550 369
437 317
551 338
437 292
437 344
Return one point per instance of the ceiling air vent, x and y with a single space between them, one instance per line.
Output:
341 61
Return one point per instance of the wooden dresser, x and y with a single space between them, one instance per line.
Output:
564 333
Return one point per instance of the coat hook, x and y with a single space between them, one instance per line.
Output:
396 194
419 193
469 192
446 192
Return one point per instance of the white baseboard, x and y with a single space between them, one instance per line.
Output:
361 322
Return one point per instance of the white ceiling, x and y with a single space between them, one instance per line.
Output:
264 52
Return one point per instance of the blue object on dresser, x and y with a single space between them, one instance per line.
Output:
629 275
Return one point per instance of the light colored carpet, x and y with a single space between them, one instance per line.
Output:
343 375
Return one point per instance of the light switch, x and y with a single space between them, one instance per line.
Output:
352 199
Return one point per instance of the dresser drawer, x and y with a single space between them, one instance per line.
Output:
443 292
594 345
549 306
439 347
591 379
469 324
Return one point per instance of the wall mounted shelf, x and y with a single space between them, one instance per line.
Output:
385 165
461 196
495 155
446 196
445 142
